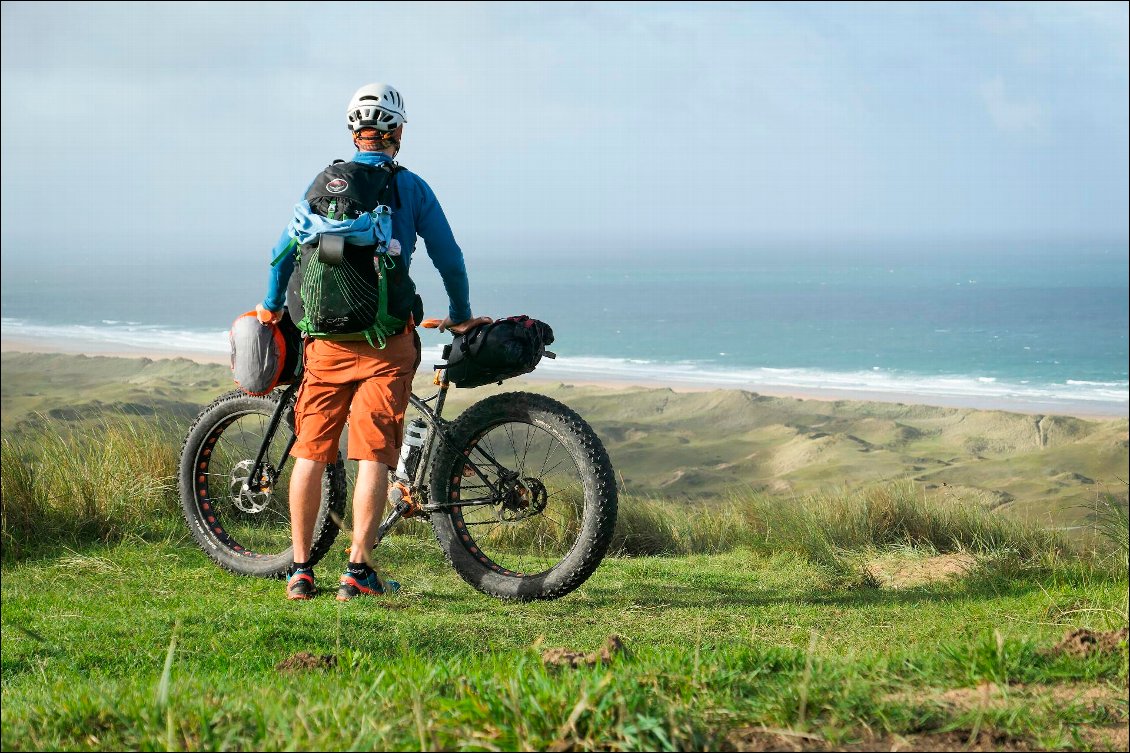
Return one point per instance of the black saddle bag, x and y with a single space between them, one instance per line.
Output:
500 350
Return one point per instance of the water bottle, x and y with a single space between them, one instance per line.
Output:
415 432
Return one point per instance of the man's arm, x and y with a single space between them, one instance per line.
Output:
282 265
432 226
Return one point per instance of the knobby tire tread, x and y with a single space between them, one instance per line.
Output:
596 533
333 492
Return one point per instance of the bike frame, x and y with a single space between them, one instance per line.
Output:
438 430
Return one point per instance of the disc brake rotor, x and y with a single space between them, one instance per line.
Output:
245 499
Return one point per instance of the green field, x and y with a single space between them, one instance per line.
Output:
147 645
815 600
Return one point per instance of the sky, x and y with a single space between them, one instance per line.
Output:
173 129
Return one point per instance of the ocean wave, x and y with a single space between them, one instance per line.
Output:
118 335
128 336
1085 383
874 381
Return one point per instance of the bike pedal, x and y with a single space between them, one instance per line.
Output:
407 507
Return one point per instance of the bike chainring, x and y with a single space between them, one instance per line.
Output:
245 498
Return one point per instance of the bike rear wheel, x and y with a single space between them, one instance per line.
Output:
539 523
242 531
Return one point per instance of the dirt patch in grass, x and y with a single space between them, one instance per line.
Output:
304 661
1112 737
761 739
903 573
563 657
1085 642
992 696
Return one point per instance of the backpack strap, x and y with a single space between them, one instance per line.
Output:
282 254
391 185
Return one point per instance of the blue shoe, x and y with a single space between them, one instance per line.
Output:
353 585
300 584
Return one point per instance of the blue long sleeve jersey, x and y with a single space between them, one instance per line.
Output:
419 214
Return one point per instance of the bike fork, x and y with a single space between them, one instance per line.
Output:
254 480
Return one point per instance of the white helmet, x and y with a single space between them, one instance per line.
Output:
375 106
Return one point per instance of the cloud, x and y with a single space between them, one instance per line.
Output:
1008 114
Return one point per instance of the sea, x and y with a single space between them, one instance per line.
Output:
1032 326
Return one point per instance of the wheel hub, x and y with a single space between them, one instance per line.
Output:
523 498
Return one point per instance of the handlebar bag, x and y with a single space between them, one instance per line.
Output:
263 356
493 352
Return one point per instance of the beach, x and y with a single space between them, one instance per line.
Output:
549 371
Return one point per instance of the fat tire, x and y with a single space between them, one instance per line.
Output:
274 566
598 479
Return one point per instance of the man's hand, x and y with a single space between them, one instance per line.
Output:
462 327
266 316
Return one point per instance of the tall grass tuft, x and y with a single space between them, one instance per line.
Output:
823 527
62 487
896 515
1111 521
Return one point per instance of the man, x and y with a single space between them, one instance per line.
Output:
364 376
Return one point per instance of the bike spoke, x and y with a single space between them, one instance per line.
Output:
525 450
548 452
513 447
256 522
530 541
554 468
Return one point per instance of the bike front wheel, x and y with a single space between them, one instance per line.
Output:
527 497
243 531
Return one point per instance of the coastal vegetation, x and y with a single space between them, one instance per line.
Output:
879 612
690 447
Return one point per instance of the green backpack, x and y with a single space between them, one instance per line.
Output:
346 291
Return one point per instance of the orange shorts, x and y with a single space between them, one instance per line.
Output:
355 381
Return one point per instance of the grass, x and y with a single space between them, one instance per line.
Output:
820 525
1111 523
66 488
142 645
755 611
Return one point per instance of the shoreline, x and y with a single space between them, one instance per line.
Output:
1078 409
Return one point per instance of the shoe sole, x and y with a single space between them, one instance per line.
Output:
303 596
361 591
343 597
